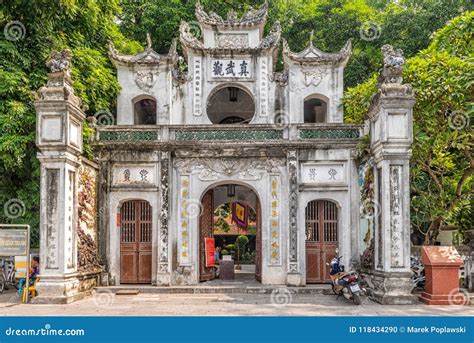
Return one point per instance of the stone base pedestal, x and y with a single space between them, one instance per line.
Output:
163 279
454 298
65 289
392 288
295 280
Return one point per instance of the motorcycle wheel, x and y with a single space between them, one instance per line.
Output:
2 285
356 298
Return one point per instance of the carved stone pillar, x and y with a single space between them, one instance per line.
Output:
294 272
391 136
59 140
163 275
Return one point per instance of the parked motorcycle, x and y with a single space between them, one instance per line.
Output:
345 283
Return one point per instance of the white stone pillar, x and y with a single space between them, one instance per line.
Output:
59 140
391 122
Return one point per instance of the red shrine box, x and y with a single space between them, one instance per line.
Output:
442 275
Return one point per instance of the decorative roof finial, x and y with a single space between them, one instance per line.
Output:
59 61
148 40
311 39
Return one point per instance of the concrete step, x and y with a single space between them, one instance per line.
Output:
231 289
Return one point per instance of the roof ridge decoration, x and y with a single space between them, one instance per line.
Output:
312 55
188 39
253 17
147 56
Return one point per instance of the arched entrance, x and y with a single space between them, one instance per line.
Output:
135 241
230 105
230 211
321 239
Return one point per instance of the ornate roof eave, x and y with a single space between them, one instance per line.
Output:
147 56
268 43
249 19
313 56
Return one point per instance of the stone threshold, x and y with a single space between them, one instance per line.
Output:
242 289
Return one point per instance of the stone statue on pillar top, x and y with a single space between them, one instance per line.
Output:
59 61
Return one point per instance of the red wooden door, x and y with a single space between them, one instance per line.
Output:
135 242
206 223
321 239
258 244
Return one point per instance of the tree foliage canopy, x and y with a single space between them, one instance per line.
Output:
442 163
86 26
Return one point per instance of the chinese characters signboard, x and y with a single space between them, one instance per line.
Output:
224 68
322 173
13 242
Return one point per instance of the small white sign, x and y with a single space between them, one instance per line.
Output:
225 68
322 173
130 175
226 257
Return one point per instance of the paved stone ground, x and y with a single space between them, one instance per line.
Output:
283 304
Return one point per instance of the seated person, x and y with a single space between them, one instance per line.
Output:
34 272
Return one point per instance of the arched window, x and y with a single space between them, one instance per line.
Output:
145 111
230 105
315 109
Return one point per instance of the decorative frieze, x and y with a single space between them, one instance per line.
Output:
250 169
329 133
275 213
228 135
134 136
231 40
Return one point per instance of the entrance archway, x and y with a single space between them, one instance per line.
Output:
244 217
135 241
321 239
230 105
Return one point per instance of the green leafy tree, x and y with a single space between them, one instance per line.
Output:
442 163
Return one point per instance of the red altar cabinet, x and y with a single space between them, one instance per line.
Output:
442 275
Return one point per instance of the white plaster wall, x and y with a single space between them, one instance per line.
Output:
161 92
330 87
185 107
116 199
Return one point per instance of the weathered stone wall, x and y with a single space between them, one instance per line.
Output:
87 252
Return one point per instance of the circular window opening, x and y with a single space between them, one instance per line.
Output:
230 105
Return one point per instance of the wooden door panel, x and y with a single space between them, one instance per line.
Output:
128 263
321 239
258 245
313 263
135 246
206 223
